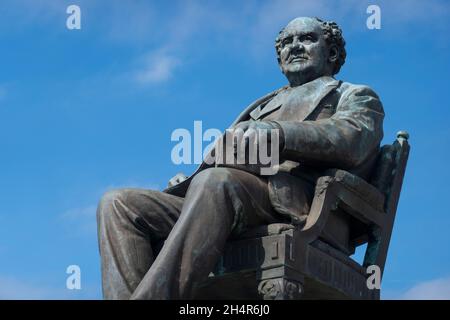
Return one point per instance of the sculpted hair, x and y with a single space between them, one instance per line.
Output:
333 36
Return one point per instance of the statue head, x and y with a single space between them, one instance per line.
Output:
308 48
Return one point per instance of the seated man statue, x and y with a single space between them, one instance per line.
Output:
160 245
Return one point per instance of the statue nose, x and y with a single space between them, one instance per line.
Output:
297 45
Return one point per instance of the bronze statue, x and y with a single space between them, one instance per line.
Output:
160 245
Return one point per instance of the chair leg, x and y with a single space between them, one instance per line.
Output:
280 289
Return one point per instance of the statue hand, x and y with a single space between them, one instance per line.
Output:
250 131
253 133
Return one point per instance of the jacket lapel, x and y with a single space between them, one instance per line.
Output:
255 113
261 111
313 94
303 100
256 106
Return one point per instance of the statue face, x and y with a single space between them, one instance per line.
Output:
304 52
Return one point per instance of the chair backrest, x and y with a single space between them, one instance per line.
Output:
388 178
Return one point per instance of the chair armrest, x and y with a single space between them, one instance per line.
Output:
360 187
357 197
352 194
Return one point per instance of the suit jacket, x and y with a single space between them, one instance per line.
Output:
326 124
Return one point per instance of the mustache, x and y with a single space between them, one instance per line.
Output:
297 56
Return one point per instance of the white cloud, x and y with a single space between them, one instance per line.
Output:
171 35
157 67
438 289
179 34
81 221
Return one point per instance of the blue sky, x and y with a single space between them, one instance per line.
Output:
85 111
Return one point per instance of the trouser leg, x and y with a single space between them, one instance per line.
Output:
131 222
219 202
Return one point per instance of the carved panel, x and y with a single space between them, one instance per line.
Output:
337 274
280 289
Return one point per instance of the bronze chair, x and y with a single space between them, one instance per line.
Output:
281 261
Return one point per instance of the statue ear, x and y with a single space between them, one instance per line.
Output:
333 54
